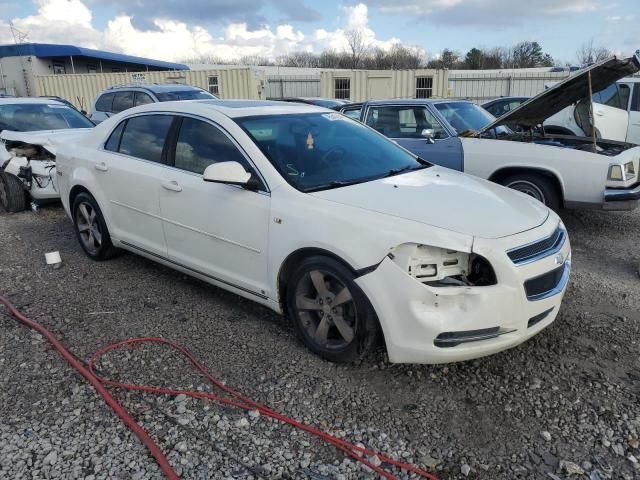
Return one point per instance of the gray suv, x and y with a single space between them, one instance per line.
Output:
121 97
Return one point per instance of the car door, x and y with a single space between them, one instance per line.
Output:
610 116
131 172
407 126
217 230
633 133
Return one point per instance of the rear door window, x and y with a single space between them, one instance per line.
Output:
122 101
144 136
635 100
114 139
143 99
105 102
609 96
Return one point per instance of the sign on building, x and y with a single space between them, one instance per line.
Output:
139 77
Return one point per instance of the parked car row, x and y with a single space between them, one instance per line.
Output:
558 170
346 224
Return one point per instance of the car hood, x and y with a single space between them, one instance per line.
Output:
446 199
563 94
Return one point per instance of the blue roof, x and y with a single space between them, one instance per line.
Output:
49 50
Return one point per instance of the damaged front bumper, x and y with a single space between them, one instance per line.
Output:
426 324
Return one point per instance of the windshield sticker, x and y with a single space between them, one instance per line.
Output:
56 106
310 141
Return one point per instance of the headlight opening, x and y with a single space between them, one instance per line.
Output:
438 267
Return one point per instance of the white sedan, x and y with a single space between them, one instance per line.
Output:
320 217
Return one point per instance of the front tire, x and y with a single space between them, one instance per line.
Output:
12 194
91 229
329 312
536 186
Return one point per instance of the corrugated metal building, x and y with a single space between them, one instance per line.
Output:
82 89
21 63
361 85
482 85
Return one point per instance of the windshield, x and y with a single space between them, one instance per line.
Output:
466 116
318 151
24 117
195 94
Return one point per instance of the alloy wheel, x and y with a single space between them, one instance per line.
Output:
88 227
326 309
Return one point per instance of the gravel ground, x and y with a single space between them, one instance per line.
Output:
566 404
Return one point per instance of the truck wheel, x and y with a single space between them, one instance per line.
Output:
537 186
12 194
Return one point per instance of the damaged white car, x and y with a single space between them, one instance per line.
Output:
318 216
28 171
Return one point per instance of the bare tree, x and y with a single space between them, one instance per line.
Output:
299 59
255 60
588 53
358 46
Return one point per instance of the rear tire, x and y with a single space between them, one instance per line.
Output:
91 229
329 312
12 194
536 186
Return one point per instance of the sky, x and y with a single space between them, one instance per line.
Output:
176 30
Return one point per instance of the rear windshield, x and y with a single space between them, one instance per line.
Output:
195 94
29 118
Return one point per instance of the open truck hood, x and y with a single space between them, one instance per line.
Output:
563 94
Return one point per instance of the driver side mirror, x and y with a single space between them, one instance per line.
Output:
231 173
429 135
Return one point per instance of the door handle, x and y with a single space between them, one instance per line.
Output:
173 186
101 167
599 113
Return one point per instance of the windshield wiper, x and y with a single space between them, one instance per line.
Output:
396 171
334 184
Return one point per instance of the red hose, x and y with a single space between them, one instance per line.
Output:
235 399
104 393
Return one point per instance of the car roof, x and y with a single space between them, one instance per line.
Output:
415 101
30 101
160 87
233 108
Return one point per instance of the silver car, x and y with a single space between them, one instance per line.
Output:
121 97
